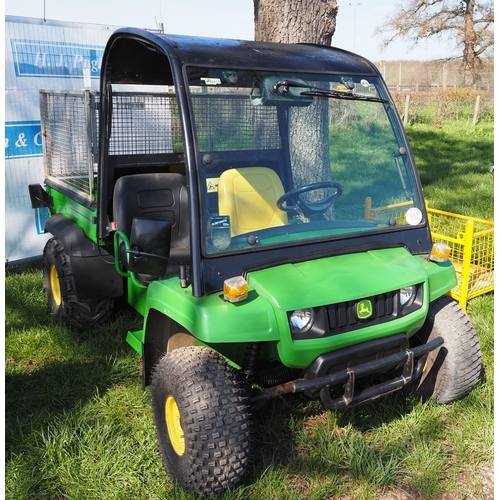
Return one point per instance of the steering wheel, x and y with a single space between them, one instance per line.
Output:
308 208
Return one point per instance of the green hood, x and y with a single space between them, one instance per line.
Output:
337 279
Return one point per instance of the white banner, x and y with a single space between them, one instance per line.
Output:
39 55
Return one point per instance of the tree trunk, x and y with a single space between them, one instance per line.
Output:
469 45
295 21
298 21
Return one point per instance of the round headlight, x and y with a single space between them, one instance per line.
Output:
407 295
301 320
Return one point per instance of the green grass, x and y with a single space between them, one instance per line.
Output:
453 163
370 144
79 425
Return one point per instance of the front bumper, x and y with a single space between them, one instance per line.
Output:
413 361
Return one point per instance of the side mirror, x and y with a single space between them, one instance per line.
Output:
38 196
150 241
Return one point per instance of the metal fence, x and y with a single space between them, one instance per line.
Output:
437 107
426 76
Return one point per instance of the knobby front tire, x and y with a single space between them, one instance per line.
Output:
202 420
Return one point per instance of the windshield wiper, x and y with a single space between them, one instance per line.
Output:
319 92
338 94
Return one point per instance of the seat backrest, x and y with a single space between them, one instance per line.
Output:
156 196
249 195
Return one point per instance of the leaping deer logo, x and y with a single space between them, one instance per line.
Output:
364 309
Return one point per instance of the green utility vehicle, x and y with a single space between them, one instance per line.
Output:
258 204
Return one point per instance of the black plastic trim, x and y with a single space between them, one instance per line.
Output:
416 240
93 267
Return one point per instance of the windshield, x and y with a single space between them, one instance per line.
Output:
286 159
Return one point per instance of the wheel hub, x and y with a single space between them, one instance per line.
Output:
55 285
174 428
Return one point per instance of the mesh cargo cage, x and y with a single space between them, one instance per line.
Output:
472 252
143 124
471 241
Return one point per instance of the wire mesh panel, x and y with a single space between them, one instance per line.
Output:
142 124
69 129
145 124
232 123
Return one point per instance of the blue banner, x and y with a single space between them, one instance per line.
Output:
34 58
23 139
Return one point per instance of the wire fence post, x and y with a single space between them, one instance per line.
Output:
476 110
407 107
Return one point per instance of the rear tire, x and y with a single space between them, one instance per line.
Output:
60 291
452 370
202 421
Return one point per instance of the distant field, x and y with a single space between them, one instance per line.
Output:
441 108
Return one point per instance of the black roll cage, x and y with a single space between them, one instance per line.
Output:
139 57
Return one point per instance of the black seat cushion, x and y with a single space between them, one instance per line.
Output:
155 196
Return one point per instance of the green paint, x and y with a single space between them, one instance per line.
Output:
274 291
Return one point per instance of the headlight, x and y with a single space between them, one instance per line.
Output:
301 320
407 295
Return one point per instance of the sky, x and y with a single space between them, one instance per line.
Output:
356 21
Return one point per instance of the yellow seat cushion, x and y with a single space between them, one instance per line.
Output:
249 195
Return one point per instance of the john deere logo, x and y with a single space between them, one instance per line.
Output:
364 309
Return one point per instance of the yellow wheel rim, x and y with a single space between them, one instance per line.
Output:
55 286
173 421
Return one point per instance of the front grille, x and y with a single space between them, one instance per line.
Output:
341 317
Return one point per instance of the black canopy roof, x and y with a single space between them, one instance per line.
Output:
138 56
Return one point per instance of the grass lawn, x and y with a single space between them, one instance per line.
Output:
79 425
453 163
